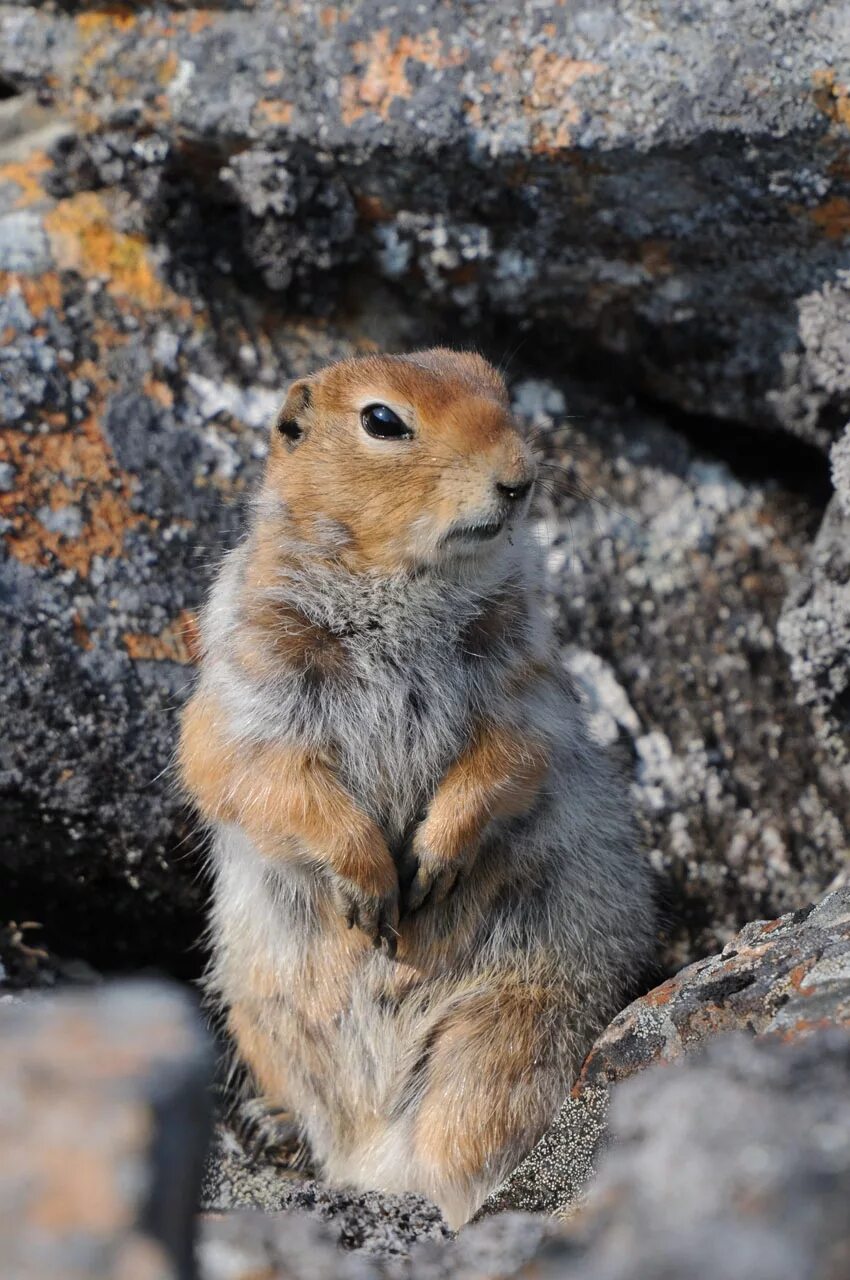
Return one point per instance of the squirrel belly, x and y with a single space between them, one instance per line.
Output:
427 898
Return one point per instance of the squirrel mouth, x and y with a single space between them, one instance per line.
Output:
475 532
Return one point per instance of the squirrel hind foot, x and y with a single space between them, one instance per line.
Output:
269 1133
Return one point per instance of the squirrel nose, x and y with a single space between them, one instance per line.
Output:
515 491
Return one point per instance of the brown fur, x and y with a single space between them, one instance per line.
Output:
464 414
283 799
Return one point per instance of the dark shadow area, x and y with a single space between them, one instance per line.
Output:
86 911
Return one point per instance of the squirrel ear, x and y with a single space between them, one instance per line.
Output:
287 424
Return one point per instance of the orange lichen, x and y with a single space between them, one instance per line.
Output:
553 76
385 76
273 111
84 240
198 20
65 468
82 636
331 15
26 174
168 68
799 973
108 17
158 391
831 97
832 217
173 644
541 82
371 208
661 995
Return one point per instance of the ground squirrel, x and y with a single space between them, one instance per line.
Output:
428 899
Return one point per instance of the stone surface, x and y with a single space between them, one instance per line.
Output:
734 1164
382 1225
242 1246
667 575
133 419
136 413
103 1123
781 980
815 623
666 184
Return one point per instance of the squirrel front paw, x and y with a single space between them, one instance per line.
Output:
428 875
364 884
375 913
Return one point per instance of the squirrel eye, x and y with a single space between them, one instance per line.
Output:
380 421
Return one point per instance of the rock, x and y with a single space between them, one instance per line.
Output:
815 625
734 1165
134 419
667 576
240 1246
780 980
103 1124
383 1225
663 185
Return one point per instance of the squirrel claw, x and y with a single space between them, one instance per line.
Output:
430 885
376 917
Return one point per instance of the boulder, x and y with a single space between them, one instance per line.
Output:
780 980
662 184
732 1165
103 1126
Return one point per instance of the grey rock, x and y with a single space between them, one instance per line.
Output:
667 575
733 1165
815 625
121 486
383 1225
664 185
103 1123
779 979
296 1246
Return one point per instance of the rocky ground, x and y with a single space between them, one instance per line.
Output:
643 212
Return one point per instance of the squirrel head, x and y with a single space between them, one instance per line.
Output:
395 463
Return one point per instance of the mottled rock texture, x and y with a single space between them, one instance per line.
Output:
666 183
103 1125
815 623
382 1225
732 1165
667 575
780 980
133 419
